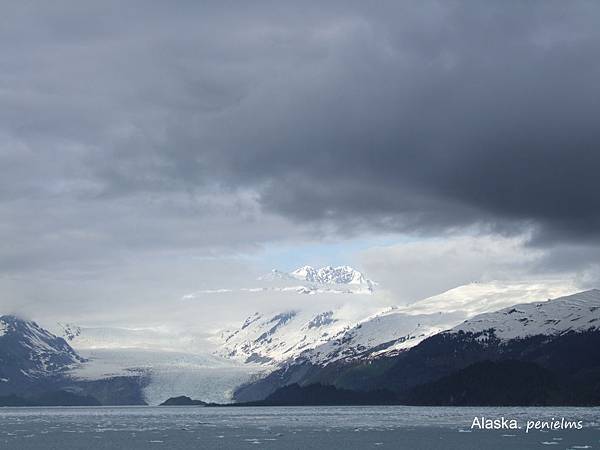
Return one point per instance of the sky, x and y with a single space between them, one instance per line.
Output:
149 149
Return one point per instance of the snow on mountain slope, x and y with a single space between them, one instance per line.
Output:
578 312
326 336
31 358
36 351
477 298
269 339
383 333
400 328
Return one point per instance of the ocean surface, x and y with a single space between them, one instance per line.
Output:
289 428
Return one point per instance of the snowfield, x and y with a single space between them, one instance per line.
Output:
169 374
271 339
578 312
173 363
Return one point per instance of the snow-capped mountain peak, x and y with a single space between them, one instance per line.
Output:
32 351
332 275
311 280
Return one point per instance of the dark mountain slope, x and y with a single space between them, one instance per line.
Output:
31 359
35 369
487 383
320 395
569 366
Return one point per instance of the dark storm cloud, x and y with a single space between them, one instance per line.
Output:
483 113
418 116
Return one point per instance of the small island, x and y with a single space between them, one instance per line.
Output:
182 400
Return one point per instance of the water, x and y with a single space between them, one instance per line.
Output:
292 427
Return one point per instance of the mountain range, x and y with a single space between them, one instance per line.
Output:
323 336
304 280
440 350
342 275
538 353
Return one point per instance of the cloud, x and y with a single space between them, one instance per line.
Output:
418 117
148 131
416 270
